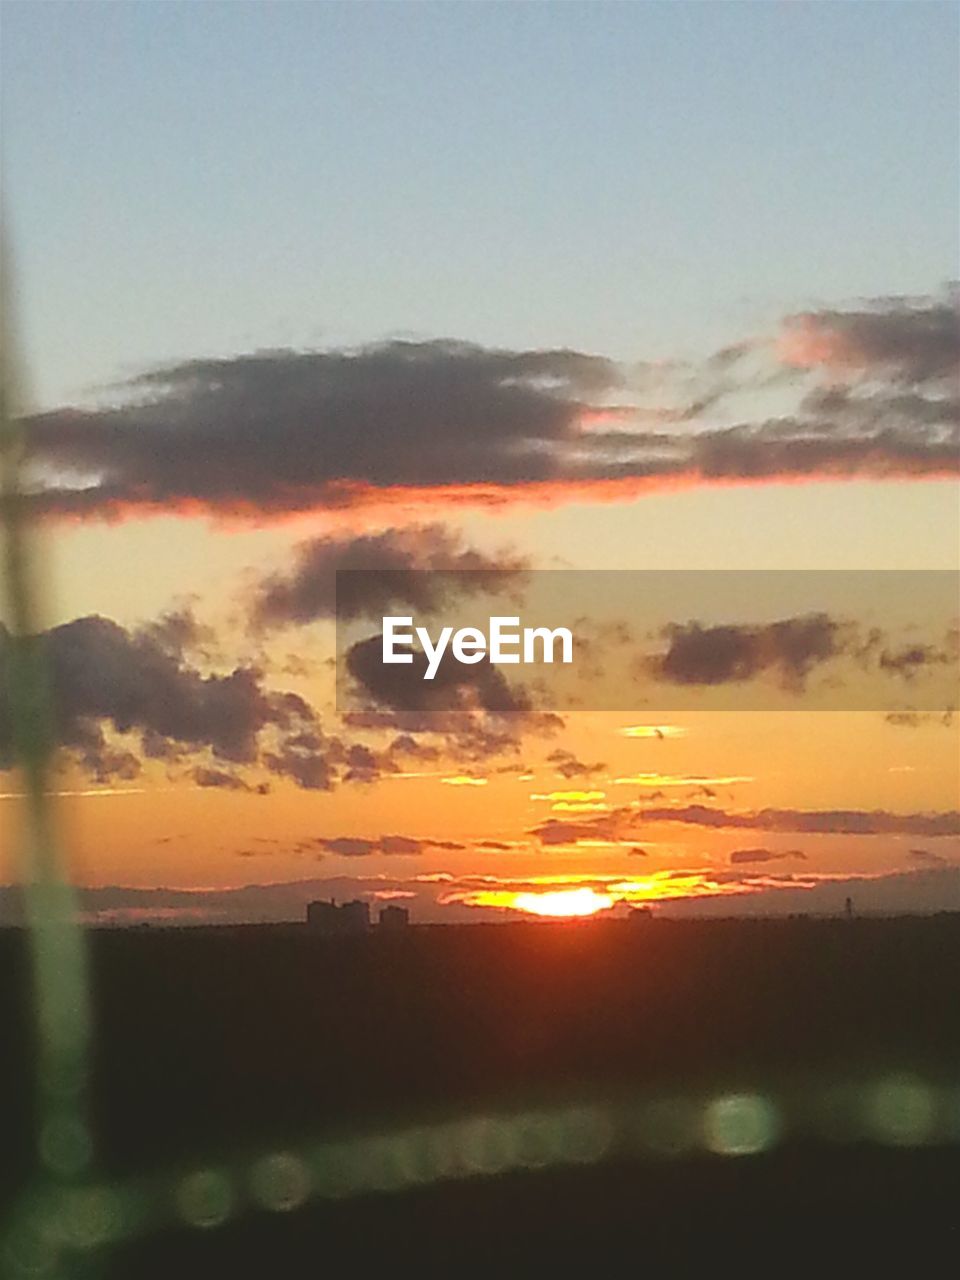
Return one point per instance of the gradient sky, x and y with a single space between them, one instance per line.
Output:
648 183
642 180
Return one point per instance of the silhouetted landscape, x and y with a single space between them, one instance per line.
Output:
214 1042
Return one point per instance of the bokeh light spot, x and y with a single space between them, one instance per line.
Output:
89 1217
668 1127
741 1124
901 1111
280 1182
205 1198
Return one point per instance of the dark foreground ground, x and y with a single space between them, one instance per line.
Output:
214 1045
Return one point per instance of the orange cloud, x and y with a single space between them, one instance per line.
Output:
364 506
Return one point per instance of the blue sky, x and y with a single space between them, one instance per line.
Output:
645 180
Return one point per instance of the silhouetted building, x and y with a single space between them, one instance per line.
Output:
323 916
640 913
334 921
355 916
848 909
394 917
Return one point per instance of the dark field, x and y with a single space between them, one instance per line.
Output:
219 1044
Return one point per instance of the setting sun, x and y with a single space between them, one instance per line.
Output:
562 902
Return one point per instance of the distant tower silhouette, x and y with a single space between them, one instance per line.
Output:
393 917
848 908
331 920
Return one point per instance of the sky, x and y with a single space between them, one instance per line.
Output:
590 286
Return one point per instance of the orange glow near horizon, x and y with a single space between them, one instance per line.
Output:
578 901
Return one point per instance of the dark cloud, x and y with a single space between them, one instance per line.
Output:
860 413
221 778
179 634
788 650
791 448
472 712
909 341
910 659
468 733
407 747
915 719
891 370
357 847
309 768
763 855
102 672
624 824
554 831
569 765
285 431
927 858
398 570
351 847
712 655
109 683
454 686
814 821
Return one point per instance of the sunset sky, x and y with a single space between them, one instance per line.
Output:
497 287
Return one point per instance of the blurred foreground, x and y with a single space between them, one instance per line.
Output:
514 1096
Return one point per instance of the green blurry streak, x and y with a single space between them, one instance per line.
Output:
57 944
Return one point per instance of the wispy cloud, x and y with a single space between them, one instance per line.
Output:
741 856
627 823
